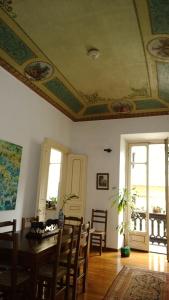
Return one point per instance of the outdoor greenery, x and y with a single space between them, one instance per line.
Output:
68 197
52 203
124 199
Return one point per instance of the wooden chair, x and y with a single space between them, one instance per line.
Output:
83 256
52 277
26 222
70 220
13 279
73 271
6 224
7 227
99 223
79 261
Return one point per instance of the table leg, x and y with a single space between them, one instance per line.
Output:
34 280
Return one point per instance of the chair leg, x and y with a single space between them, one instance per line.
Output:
67 287
84 277
101 241
74 290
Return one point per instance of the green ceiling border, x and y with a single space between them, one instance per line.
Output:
149 104
59 90
159 12
96 109
13 45
163 80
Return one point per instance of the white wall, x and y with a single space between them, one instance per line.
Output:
92 138
26 119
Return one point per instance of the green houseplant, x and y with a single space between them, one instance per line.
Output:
66 197
125 199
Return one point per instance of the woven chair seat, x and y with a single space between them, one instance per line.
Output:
47 271
5 278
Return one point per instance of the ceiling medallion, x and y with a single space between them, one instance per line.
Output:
159 47
38 70
122 106
93 53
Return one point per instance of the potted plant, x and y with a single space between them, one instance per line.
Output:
66 197
125 199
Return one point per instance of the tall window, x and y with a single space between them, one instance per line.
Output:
54 175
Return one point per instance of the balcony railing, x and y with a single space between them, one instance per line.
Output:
157 226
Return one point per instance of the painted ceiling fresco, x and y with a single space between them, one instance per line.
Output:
46 45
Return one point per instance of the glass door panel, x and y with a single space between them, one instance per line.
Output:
138 181
138 233
157 202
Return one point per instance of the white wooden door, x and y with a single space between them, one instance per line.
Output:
76 184
167 190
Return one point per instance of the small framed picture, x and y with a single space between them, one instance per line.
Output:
102 181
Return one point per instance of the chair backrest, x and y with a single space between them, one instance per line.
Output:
62 249
71 220
99 219
26 222
13 240
76 240
84 242
8 226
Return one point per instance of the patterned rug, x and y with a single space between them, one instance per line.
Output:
139 284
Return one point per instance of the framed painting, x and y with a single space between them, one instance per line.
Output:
102 181
10 159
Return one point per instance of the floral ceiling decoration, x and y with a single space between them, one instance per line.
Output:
159 48
38 70
122 106
45 44
6 5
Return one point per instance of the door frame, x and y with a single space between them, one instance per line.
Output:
137 239
167 189
166 144
46 147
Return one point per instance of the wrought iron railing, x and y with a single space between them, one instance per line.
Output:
157 226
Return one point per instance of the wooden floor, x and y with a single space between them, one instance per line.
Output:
103 269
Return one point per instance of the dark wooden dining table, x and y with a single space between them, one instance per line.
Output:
33 253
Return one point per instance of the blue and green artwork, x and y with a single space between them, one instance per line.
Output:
10 159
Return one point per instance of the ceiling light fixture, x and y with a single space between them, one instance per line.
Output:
93 53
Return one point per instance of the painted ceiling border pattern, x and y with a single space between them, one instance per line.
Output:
18 50
6 5
13 45
163 79
33 87
159 12
59 90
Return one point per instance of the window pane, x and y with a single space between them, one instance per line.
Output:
54 174
138 154
53 181
55 156
157 178
138 181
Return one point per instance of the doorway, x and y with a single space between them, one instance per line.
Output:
146 174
